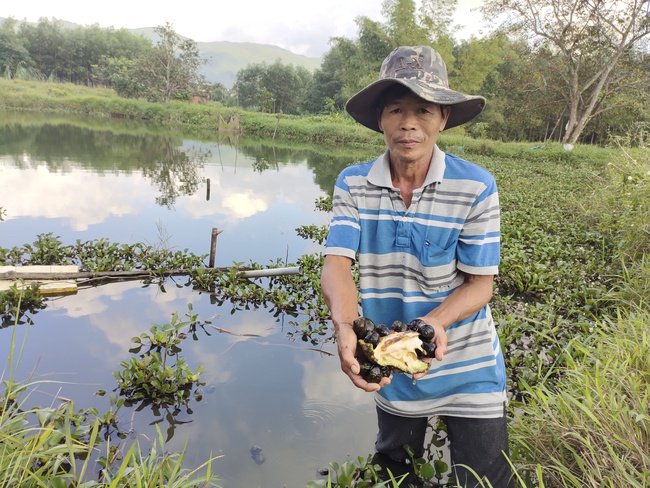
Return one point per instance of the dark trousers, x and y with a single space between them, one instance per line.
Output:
477 447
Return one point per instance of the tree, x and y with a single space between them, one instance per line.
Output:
44 41
287 85
374 42
219 93
273 88
436 16
249 85
117 65
584 43
350 64
12 49
325 90
171 67
474 60
402 25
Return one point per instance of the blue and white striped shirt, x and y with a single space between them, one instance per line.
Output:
411 259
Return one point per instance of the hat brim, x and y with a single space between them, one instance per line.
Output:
363 105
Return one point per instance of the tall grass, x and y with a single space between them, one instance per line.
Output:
622 202
592 429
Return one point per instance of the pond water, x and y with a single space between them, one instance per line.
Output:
84 179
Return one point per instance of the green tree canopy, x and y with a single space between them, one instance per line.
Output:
12 49
273 88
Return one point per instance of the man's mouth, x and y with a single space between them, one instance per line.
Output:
407 142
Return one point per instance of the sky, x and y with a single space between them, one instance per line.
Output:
303 27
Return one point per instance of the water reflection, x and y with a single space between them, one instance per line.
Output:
86 179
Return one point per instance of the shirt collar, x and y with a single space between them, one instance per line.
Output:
379 174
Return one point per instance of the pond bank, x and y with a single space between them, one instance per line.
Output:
101 102
330 131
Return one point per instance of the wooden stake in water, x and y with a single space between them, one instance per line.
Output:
213 245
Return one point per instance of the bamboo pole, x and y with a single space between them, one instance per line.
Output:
142 273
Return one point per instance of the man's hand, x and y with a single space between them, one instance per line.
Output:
439 339
346 341
464 301
340 293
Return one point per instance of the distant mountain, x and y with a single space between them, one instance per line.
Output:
226 58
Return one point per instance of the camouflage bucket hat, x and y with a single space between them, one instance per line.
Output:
423 71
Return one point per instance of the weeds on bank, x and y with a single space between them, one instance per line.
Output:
98 255
584 418
592 427
18 302
289 294
56 446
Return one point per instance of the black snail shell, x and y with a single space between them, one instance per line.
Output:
374 375
383 330
399 326
372 338
427 332
363 326
428 349
416 325
257 455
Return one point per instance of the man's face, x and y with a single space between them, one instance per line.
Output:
411 126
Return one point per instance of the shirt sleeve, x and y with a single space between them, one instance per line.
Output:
344 229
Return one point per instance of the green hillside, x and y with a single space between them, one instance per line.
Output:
226 58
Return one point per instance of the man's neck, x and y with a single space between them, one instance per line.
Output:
408 176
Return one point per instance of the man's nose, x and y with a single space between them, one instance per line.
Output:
408 121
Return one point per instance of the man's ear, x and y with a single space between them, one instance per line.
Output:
379 111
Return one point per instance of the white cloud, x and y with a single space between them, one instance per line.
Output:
75 196
86 199
244 205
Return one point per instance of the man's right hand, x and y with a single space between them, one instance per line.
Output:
340 293
346 341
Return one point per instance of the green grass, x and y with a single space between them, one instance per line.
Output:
576 336
61 97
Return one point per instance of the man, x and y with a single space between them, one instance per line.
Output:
424 226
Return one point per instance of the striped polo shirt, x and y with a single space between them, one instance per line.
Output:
410 259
